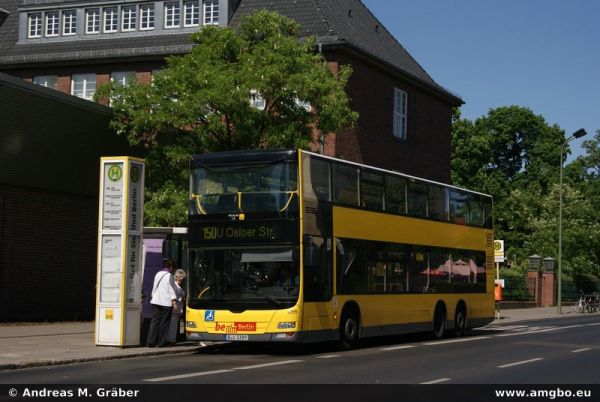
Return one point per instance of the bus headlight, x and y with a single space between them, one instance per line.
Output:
190 324
286 325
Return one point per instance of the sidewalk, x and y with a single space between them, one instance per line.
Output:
34 345
514 315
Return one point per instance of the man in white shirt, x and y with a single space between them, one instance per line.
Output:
164 299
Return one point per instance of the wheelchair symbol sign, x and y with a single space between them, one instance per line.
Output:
209 315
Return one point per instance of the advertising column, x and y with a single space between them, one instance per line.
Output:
119 272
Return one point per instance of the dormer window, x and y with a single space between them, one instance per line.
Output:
172 14
52 23
69 21
128 18
35 25
191 12
111 20
146 17
211 12
92 21
114 19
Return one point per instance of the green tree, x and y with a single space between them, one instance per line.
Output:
512 154
584 172
201 102
509 145
580 234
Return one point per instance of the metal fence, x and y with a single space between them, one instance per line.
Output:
571 290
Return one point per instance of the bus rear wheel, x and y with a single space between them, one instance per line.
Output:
349 330
439 321
460 321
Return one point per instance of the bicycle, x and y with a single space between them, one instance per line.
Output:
592 303
588 303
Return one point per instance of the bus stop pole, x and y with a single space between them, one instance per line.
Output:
497 302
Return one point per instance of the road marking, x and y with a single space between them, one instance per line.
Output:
581 350
521 362
189 375
436 381
268 364
500 327
530 332
571 326
328 356
476 338
591 325
398 347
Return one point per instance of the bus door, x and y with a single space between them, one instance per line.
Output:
318 287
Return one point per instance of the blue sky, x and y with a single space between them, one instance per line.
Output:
541 54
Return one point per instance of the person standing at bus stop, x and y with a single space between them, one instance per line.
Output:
178 311
164 300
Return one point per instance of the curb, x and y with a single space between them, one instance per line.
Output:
507 320
47 363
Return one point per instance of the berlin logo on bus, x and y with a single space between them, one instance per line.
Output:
235 327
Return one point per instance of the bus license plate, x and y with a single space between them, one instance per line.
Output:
236 337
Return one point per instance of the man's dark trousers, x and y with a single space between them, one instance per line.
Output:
159 326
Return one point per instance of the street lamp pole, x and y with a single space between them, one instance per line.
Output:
577 134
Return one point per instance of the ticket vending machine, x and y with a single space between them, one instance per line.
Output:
119 268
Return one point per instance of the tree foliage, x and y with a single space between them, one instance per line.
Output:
580 232
514 155
201 102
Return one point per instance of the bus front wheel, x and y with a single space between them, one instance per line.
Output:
349 329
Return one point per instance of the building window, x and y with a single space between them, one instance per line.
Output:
123 78
92 21
128 18
83 85
35 25
172 13
52 23
400 108
69 22
146 17
111 19
191 12
211 12
48 81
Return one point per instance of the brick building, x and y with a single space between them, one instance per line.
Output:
50 140
76 45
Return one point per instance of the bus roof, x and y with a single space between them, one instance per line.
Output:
393 173
252 156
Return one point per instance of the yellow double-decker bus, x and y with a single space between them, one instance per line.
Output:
292 246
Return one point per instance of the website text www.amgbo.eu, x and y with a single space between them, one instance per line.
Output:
543 393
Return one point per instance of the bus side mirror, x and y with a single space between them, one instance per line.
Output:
311 253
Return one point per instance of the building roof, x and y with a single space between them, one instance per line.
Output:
345 23
348 23
14 54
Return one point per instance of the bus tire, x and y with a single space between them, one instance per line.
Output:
349 326
460 320
439 321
